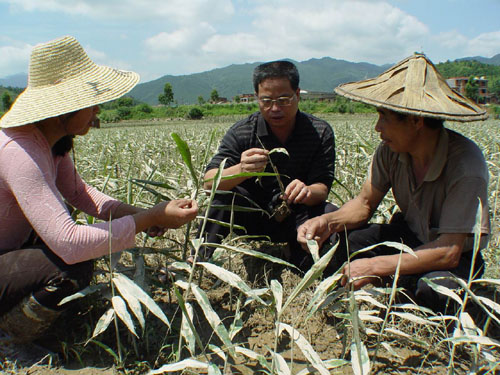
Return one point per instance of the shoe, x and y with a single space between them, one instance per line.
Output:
27 320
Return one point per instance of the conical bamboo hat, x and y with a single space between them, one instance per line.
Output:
414 86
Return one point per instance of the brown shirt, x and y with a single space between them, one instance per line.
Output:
447 199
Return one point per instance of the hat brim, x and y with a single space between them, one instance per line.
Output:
414 86
99 85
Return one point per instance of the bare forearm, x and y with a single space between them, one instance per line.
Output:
224 184
144 220
351 215
436 255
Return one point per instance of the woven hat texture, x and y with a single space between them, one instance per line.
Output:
414 86
63 79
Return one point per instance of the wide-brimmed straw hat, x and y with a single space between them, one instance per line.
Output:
414 86
63 79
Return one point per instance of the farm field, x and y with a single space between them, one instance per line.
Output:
248 313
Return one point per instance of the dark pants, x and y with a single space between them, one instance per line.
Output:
259 223
398 231
37 270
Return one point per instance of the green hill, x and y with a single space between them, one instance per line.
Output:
315 75
495 60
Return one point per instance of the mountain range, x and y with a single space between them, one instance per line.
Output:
315 75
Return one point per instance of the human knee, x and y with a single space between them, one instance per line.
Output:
427 296
65 283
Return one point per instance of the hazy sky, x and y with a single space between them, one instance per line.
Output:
159 37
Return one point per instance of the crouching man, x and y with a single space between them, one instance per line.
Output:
437 176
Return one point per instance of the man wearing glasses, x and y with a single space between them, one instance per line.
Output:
306 169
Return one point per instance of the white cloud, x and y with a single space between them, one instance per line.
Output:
317 28
487 44
14 59
183 39
180 11
453 43
296 29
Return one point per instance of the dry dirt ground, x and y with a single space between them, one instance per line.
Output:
329 334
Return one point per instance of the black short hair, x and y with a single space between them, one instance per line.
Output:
276 69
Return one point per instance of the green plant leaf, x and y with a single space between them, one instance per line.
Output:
237 324
185 153
321 291
210 314
280 364
280 150
306 348
314 273
313 247
359 360
123 282
186 331
107 349
121 311
132 301
277 290
253 253
482 340
178 366
213 369
103 323
82 293
443 290
396 245
232 279
413 318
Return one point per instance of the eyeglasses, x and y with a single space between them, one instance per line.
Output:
282 101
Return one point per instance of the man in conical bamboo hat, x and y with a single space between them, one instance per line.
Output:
437 176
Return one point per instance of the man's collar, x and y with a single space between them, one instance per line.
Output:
263 129
438 161
440 157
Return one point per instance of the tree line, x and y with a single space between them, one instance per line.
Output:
472 69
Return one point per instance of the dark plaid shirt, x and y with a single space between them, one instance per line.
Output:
311 147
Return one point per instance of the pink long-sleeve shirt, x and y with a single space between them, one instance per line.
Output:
33 184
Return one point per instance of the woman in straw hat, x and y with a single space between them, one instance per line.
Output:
37 178
437 177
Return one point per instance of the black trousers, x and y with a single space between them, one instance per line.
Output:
398 231
37 270
259 223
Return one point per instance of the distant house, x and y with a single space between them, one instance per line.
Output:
458 84
317 95
220 100
247 98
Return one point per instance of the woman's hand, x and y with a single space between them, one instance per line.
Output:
176 213
165 215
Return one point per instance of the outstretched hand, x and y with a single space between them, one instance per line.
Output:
176 213
166 215
359 272
313 229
